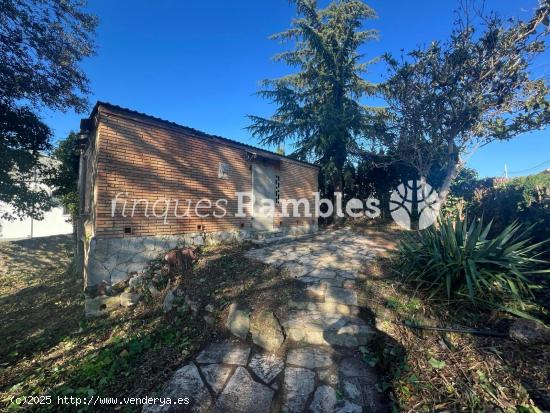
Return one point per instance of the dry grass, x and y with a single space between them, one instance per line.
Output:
430 371
49 348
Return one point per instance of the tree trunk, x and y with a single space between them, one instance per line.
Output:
338 187
450 174
414 204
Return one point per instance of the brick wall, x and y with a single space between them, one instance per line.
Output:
154 161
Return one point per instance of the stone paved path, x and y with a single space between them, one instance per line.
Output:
322 370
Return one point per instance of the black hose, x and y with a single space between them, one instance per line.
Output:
485 333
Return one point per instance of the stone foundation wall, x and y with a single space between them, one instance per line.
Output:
111 262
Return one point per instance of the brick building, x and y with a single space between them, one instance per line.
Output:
134 167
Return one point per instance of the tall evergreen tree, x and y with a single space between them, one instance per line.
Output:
318 107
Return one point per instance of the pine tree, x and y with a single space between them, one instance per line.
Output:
318 107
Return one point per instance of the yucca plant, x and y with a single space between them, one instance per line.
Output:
458 260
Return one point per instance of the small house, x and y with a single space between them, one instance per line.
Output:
147 185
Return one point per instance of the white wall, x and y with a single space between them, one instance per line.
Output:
54 223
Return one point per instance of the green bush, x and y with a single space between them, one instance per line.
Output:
457 260
525 199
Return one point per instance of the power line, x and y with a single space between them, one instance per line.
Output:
530 169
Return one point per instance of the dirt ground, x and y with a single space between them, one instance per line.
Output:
433 371
48 347
39 296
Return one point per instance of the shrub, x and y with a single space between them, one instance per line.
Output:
525 199
458 260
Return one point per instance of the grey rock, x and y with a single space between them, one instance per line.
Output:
225 352
352 367
244 395
266 366
322 273
186 382
529 332
352 389
350 335
216 375
358 384
363 392
168 301
316 290
135 281
341 295
297 387
266 331
95 307
322 328
129 299
296 270
329 376
238 321
311 326
309 357
344 406
324 400
350 284
209 308
347 274
154 292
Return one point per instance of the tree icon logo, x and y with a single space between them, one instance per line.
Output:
414 205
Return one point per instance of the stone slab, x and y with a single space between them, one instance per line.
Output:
324 400
266 331
297 387
224 352
309 357
341 295
238 321
345 406
244 395
266 366
216 375
186 382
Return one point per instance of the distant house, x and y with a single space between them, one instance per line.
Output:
133 164
54 222
500 180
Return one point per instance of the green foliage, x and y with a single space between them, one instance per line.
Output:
23 137
461 194
318 107
465 183
63 175
368 356
436 364
473 89
458 260
524 199
41 46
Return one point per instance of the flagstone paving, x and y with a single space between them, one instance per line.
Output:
322 370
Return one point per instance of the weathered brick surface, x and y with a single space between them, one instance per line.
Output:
154 161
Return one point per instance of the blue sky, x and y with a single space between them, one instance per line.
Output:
198 63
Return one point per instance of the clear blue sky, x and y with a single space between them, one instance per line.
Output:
198 63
